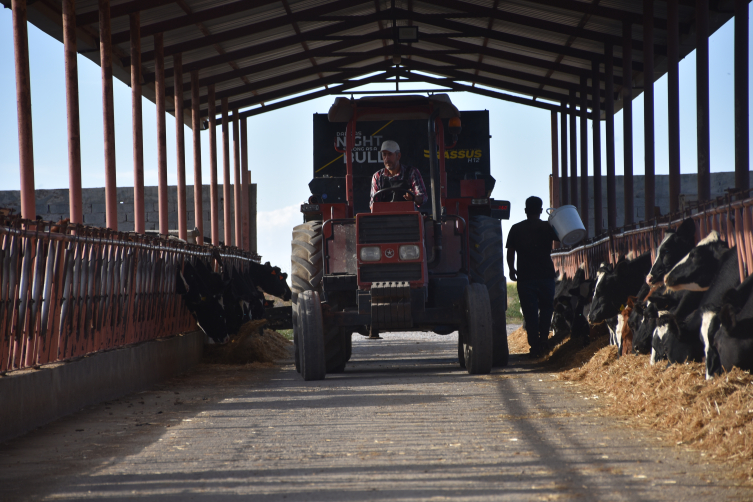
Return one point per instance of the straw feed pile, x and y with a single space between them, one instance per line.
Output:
517 341
252 344
714 416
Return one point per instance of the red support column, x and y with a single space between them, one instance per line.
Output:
609 119
159 90
198 208
596 122
702 98
555 163
108 112
180 144
584 150
214 209
648 109
573 151
237 178
244 185
627 118
23 106
226 189
564 188
75 203
139 215
742 127
673 105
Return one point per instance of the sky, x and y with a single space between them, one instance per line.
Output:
281 142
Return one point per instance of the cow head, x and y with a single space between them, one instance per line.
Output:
271 280
665 325
697 270
613 288
672 249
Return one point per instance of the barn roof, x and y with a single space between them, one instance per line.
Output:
265 54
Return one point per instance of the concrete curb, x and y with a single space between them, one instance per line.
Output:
32 398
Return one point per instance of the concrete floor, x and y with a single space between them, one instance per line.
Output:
402 423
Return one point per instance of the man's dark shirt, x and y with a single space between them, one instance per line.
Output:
532 242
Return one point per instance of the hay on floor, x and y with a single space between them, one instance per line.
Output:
714 416
252 344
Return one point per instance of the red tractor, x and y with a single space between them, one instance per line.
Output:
395 268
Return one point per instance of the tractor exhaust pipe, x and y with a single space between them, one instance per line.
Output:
436 199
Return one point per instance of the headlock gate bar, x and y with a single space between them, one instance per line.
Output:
70 290
732 219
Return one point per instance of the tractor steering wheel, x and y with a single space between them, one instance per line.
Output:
393 190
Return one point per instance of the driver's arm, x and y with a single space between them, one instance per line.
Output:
417 187
374 188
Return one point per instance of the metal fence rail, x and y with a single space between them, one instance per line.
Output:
732 219
70 290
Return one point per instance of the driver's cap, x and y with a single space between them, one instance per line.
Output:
390 146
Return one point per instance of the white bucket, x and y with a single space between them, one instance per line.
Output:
567 224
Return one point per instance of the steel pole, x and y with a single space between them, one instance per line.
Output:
75 204
702 98
198 209
584 150
108 115
564 188
573 151
742 127
244 185
555 163
23 107
648 109
596 123
226 189
139 216
237 179
159 91
673 103
180 144
609 118
627 119
214 208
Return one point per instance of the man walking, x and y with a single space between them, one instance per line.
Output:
532 240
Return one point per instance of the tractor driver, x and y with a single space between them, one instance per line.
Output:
405 179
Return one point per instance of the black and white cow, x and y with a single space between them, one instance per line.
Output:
199 288
613 288
673 248
270 279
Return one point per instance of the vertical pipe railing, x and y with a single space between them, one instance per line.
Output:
213 195
555 163
702 98
159 91
75 204
108 115
226 190
180 144
573 151
198 209
648 108
139 215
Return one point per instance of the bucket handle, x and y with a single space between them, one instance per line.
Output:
550 209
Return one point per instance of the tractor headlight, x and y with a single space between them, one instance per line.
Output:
371 253
409 252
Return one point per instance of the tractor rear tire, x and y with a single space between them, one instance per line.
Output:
487 268
306 258
310 337
477 335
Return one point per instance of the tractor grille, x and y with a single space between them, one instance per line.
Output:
391 272
392 228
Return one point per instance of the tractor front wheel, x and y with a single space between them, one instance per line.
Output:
477 334
310 336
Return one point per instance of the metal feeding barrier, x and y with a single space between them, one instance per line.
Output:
70 290
733 220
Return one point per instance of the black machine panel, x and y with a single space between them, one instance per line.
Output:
469 159
388 228
391 272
